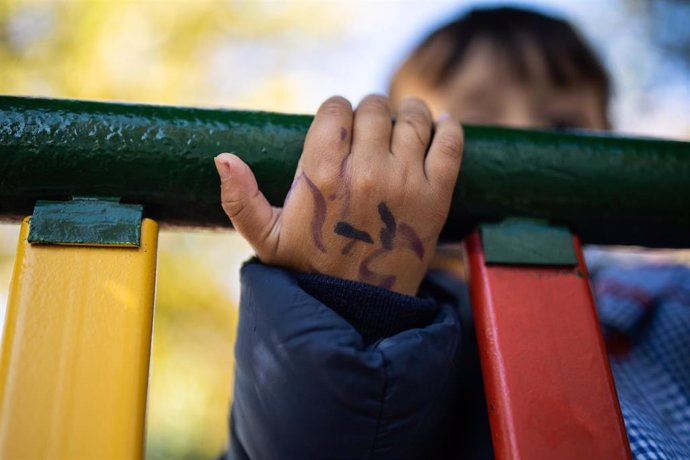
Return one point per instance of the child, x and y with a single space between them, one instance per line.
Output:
347 347
508 67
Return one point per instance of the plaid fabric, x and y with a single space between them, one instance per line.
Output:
645 315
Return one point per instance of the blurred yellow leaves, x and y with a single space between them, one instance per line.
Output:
183 52
194 333
151 51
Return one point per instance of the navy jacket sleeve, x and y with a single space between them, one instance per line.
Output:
309 384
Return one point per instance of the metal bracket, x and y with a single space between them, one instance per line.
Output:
519 241
86 221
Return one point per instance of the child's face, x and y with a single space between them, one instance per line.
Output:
484 90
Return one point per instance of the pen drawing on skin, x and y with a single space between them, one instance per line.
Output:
319 217
292 188
367 275
412 240
388 232
344 188
348 231
373 247
387 236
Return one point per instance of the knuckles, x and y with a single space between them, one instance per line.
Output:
450 146
336 106
415 119
375 103
324 178
379 182
366 182
420 128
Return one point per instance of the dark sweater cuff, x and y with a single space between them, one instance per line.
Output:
375 313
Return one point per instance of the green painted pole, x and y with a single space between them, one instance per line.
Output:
607 189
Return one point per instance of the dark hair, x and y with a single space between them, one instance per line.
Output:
513 32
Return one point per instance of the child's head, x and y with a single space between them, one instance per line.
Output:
509 67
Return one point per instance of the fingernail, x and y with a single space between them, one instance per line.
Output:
223 167
443 117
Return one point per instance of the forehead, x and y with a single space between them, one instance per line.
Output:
491 87
488 71
488 64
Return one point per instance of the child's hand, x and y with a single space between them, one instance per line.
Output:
369 197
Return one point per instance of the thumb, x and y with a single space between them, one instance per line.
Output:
251 214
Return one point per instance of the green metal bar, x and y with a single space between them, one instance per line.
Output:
607 189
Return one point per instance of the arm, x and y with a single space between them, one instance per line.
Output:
367 205
309 386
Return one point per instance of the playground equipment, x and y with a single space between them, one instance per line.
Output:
74 358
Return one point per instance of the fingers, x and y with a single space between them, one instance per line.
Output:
372 127
412 131
442 163
327 144
250 212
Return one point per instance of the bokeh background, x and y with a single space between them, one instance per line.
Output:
282 56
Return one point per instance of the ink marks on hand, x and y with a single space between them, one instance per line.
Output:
390 227
406 234
367 275
387 236
412 240
348 231
292 188
319 217
393 236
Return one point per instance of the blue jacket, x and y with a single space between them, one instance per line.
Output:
327 368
